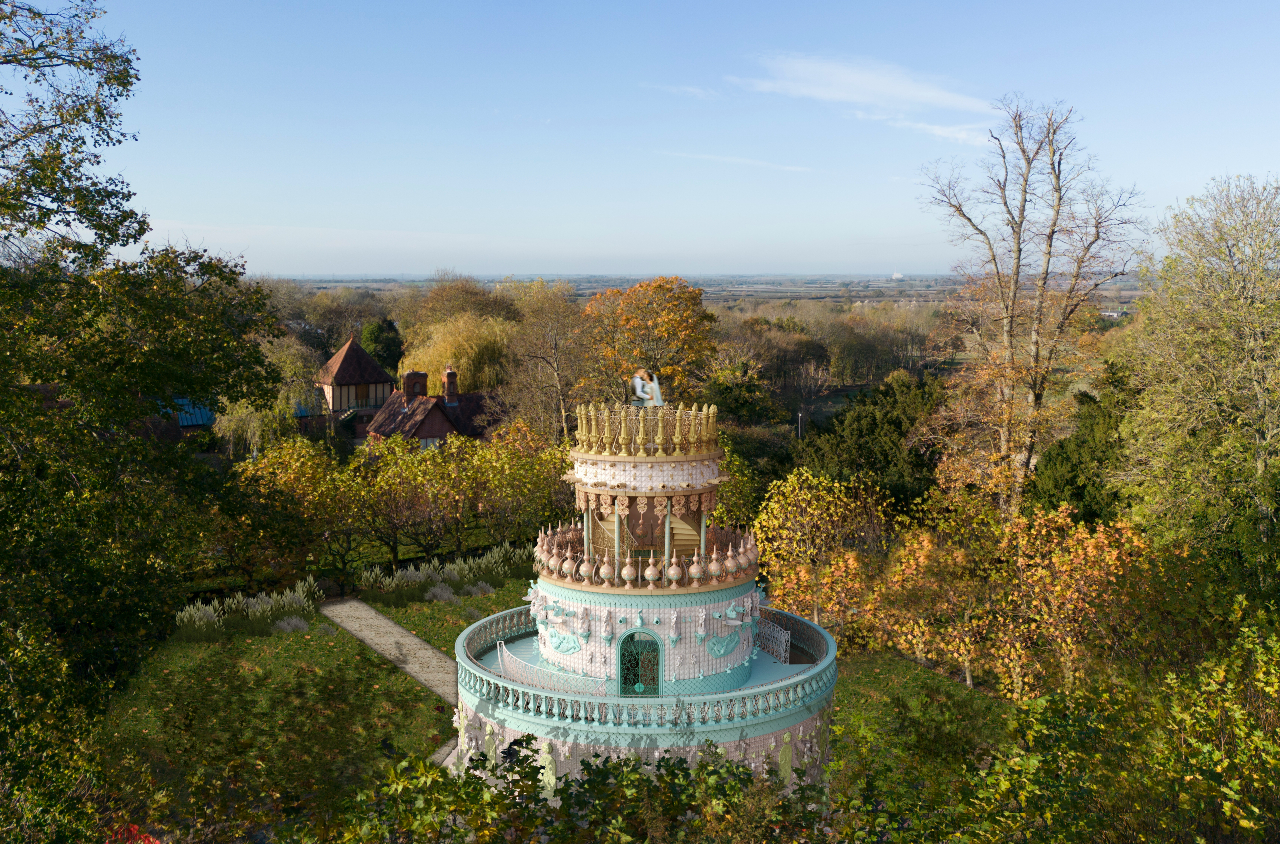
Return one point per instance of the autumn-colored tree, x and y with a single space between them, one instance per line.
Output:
933 600
328 497
1058 584
523 482
1046 233
475 346
548 355
807 525
1027 599
660 325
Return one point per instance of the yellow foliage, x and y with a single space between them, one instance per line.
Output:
475 346
658 324
806 531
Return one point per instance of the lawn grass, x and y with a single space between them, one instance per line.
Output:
439 623
250 730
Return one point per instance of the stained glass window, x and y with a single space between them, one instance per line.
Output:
639 666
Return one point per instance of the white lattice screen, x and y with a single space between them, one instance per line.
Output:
775 641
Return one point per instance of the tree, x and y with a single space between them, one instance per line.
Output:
523 482
391 474
1079 470
102 518
1057 587
70 80
101 515
1046 233
547 353
733 384
329 500
659 325
806 525
878 436
381 339
475 346
1203 440
248 427
451 295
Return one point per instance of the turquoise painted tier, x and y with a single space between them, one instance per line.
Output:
575 714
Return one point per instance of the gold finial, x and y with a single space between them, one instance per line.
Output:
678 439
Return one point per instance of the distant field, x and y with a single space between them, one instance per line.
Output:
723 289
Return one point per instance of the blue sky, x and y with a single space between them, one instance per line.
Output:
694 138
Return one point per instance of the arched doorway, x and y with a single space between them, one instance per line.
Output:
639 665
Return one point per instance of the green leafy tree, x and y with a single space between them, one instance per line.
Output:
248 426
1203 439
391 472
66 81
101 515
878 437
381 339
1197 760
1078 470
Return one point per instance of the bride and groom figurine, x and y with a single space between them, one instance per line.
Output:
644 386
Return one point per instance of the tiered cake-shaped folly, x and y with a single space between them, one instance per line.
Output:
646 633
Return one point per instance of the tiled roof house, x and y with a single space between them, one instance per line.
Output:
353 382
415 415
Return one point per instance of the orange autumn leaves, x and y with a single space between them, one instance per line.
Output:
658 324
1025 606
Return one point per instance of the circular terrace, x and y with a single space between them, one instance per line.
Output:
774 716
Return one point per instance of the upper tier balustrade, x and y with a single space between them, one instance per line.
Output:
645 432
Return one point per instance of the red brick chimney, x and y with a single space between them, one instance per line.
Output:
416 384
450 382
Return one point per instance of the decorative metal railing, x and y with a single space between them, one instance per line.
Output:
805 635
734 707
774 640
515 668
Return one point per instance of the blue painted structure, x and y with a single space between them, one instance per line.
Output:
666 721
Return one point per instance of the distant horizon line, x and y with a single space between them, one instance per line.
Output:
894 276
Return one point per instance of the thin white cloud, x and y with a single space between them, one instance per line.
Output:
969 133
865 82
886 92
728 159
686 90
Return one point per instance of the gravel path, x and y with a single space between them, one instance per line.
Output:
410 654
